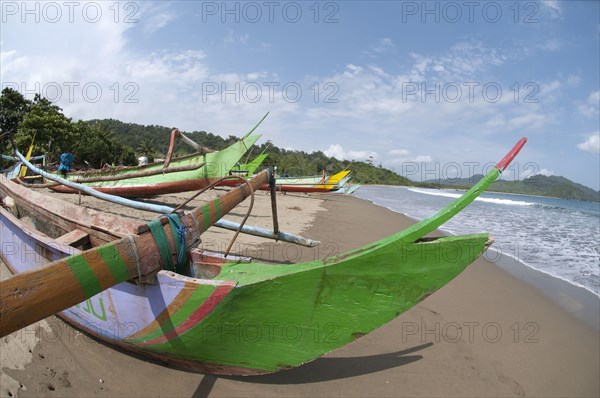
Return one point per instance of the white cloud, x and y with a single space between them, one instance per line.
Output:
338 152
352 70
232 37
465 60
384 45
229 38
400 156
399 152
156 16
423 159
528 121
553 44
166 87
262 47
372 102
592 144
547 88
386 42
531 172
552 8
573 80
591 107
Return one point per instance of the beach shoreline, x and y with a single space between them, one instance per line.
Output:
578 300
486 333
518 257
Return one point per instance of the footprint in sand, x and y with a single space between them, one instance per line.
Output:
513 385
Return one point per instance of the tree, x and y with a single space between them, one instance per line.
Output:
52 129
13 106
96 145
146 148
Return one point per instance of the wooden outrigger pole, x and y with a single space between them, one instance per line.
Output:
31 296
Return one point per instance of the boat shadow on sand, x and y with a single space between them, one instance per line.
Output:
323 369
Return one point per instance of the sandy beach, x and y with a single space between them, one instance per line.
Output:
487 333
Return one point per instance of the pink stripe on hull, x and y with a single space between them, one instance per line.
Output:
201 312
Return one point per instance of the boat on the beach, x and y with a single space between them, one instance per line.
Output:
16 169
143 287
348 189
181 174
253 165
243 171
312 183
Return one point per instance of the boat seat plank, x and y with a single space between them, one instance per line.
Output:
207 265
75 238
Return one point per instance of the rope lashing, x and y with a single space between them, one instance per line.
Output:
178 229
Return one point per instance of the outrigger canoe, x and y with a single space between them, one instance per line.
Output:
243 171
311 184
187 173
348 189
239 318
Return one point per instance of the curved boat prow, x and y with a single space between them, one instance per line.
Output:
255 127
430 224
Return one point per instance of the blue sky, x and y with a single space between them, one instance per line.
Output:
429 89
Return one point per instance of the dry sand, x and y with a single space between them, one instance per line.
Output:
486 333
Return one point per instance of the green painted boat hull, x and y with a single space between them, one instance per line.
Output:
281 316
252 166
216 166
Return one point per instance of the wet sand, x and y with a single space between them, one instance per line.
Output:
487 333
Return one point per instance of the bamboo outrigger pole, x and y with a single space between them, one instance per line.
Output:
162 209
31 296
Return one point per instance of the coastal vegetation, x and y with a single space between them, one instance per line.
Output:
96 142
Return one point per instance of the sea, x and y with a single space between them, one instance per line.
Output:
559 237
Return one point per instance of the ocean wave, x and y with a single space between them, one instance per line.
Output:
479 199
554 238
551 272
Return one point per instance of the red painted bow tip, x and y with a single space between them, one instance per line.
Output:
503 164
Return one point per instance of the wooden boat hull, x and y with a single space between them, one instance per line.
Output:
297 188
260 318
348 189
312 184
281 322
144 190
288 184
336 181
217 165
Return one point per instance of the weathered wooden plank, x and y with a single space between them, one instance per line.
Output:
74 238
59 218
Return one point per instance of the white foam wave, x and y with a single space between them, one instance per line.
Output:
479 199
505 201
560 244
545 271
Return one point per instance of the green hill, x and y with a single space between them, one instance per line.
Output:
537 185
556 186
